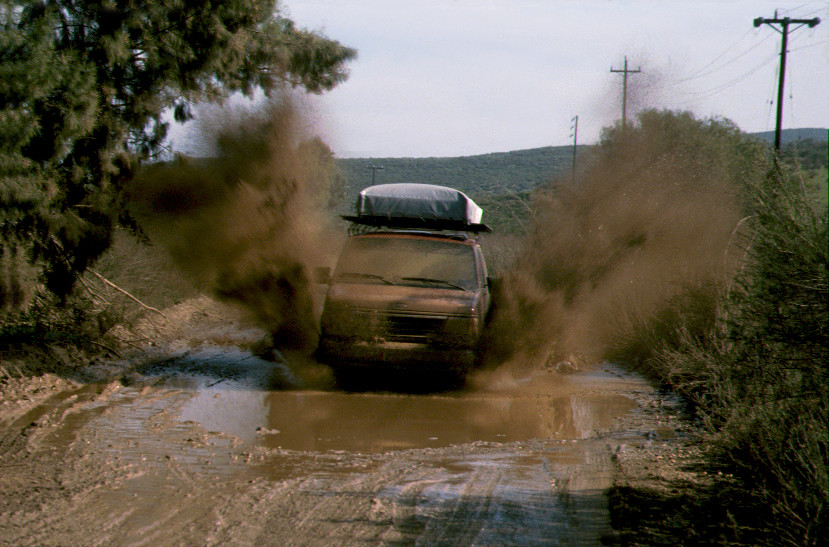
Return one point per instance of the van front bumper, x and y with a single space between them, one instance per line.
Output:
400 355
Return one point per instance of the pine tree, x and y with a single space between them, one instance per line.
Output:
83 87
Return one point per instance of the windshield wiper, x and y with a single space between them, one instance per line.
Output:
433 281
366 276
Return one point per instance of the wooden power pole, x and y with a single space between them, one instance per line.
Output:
374 169
575 128
625 73
784 31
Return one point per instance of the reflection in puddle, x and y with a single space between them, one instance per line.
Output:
312 420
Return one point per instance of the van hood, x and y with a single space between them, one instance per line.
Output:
404 299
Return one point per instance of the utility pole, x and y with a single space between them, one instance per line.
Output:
575 135
784 31
625 73
374 169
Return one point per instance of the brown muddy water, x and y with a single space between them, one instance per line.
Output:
229 392
379 422
217 446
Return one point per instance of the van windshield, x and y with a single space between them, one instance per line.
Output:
408 261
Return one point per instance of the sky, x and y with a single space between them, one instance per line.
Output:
463 77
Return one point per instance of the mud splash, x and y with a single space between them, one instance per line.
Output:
247 224
641 240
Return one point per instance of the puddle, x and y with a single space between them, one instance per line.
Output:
377 422
189 443
211 366
231 394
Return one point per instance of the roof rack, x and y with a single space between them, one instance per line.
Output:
416 223
363 229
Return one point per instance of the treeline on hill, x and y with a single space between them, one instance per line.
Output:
520 171
501 183
790 136
807 153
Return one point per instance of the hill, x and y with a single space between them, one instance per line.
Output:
477 176
501 182
791 135
494 174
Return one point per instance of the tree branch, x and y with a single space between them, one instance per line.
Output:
128 295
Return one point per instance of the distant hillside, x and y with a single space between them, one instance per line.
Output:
497 173
477 176
790 135
503 180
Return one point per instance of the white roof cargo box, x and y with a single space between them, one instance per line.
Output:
426 205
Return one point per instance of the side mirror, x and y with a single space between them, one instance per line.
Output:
493 283
322 275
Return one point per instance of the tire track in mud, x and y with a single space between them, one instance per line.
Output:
504 495
331 506
42 471
61 485
23 440
518 495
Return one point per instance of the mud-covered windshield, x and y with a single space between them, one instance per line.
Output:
408 261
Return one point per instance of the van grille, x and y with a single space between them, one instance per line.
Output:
402 328
406 328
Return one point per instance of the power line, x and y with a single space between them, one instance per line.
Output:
699 73
790 10
810 45
810 14
704 70
731 83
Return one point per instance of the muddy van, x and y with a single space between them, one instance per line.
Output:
410 290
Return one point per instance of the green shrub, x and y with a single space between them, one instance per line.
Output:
758 379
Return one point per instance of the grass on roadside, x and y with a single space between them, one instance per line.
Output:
752 360
129 282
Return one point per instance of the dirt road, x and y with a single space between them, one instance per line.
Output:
198 442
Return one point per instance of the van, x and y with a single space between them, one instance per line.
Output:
410 290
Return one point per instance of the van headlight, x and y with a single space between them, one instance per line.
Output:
461 331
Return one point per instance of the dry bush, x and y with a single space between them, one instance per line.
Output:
144 270
770 405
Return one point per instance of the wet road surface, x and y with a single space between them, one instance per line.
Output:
216 445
